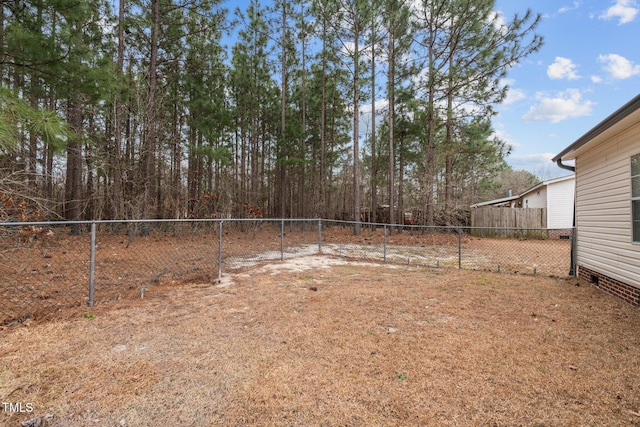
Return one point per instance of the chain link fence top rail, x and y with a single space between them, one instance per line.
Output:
44 267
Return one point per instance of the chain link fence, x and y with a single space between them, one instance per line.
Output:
48 266
525 251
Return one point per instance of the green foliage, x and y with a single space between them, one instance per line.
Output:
17 115
215 123
221 155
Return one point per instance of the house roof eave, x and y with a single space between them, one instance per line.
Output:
495 202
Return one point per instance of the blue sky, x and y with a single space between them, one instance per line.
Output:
588 67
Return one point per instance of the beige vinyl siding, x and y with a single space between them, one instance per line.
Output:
560 198
603 208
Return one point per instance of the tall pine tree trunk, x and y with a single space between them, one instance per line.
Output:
391 94
73 181
149 144
430 167
302 193
356 125
448 145
374 177
118 206
283 117
324 211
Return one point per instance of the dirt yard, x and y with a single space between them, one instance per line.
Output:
323 341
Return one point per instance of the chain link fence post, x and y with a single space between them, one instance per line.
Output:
220 250
319 235
384 245
572 260
459 248
282 240
92 263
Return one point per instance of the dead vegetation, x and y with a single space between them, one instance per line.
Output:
319 341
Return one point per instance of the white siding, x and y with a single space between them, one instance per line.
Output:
535 199
560 201
603 208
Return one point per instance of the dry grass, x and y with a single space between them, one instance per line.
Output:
313 342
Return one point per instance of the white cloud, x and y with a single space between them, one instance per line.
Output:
624 10
596 79
513 96
562 68
562 106
618 66
501 134
564 9
497 17
381 104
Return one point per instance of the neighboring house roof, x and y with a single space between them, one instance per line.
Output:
496 202
506 200
625 117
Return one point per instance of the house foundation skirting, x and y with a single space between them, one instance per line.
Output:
611 286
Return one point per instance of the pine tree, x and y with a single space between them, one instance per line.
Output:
254 99
350 22
466 55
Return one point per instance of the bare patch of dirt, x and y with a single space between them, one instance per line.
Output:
322 341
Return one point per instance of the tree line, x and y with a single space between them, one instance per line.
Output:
183 109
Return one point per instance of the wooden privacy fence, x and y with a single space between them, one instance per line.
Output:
511 218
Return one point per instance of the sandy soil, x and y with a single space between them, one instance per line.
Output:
322 341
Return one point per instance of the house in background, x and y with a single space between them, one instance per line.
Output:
607 210
557 196
554 198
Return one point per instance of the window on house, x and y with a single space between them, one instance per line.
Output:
635 196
